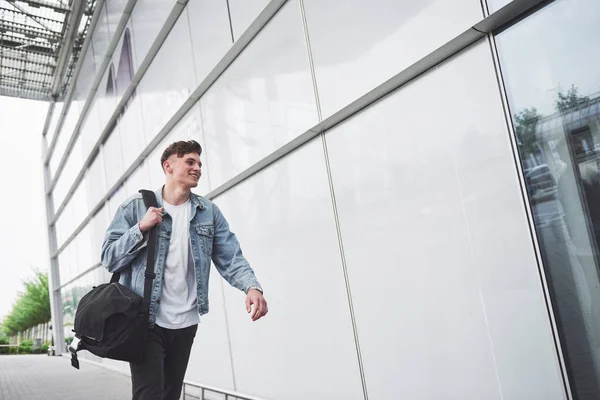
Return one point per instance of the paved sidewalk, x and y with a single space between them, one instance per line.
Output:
39 377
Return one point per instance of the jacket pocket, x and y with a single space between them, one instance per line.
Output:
206 235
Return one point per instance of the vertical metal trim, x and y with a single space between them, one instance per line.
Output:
485 8
48 121
528 211
54 273
230 21
334 206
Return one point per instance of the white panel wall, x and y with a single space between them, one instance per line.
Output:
147 18
114 11
305 347
112 151
495 5
210 360
170 79
139 179
58 107
260 102
359 44
131 125
91 128
439 257
210 32
100 38
95 182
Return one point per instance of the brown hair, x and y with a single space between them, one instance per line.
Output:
180 148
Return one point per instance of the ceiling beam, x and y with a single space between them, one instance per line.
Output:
34 18
15 27
77 10
45 4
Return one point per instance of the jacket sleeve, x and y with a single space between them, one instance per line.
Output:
122 242
228 258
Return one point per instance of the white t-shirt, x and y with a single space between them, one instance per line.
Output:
178 307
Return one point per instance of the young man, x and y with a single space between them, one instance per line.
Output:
192 231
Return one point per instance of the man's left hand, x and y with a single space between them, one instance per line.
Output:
256 298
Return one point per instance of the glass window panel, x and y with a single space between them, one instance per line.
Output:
359 44
262 101
549 62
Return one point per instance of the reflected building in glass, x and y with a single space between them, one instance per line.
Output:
416 184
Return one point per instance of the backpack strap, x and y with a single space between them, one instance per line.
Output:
150 201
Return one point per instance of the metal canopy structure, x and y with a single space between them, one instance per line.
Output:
40 43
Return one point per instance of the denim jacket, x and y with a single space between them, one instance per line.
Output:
124 249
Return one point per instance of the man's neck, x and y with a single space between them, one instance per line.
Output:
174 194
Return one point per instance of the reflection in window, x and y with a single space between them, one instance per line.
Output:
110 82
125 69
550 71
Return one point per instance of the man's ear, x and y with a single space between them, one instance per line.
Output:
167 166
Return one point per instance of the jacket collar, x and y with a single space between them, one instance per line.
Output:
196 202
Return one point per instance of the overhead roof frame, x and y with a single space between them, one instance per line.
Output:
40 42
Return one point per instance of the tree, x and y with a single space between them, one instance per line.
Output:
525 126
571 99
31 308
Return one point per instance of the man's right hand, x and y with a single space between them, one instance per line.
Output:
153 217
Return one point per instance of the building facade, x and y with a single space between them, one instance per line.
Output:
416 184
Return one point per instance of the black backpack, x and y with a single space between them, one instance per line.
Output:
111 320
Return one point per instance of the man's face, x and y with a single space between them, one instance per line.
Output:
184 170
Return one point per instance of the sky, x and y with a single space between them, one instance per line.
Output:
23 240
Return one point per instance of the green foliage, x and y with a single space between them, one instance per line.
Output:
31 308
525 125
3 341
571 99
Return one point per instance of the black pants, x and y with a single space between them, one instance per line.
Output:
160 375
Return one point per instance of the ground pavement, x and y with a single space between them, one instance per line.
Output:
40 377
